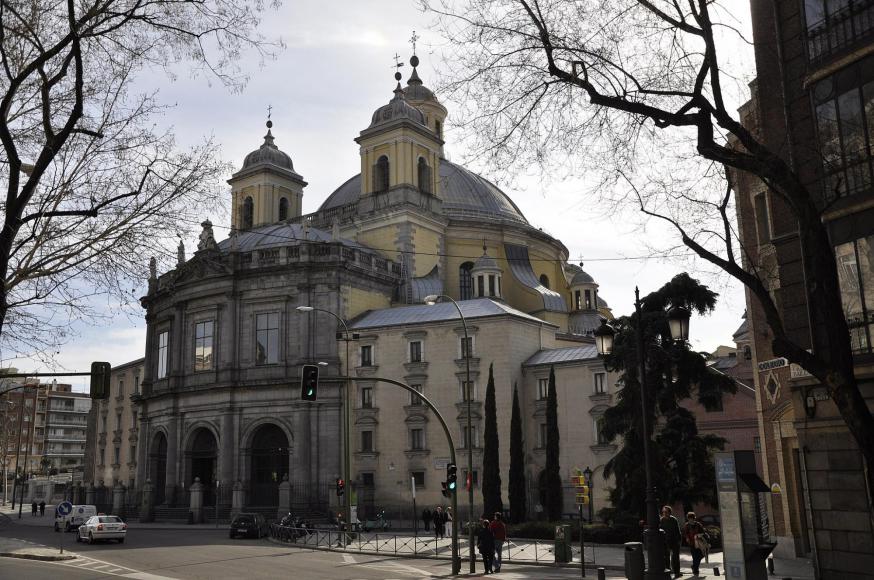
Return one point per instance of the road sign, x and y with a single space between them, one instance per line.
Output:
64 508
774 363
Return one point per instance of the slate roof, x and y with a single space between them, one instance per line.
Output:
561 355
281 234
440 312
520 266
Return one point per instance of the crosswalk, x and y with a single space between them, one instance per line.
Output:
95 565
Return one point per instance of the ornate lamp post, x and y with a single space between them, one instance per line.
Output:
587 473
468 395
347 414
678 322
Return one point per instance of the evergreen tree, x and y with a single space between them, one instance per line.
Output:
552 476
518 499
491 462
682 469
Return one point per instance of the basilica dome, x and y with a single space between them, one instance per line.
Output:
397 109
268 154
465 195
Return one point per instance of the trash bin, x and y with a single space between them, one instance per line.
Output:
563 550
634 564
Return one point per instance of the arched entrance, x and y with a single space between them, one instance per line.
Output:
269 464
203 463
158 467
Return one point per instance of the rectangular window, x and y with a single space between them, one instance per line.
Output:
466 347
104 423
757 444
367 441
118 420
855 262
367 355
163 351
763 222
367 479
418 478
416 351
417 439
541 440
589 300
468 391
835 24
465 439
491 284
600 437
415 400
480 286
203 335
136 383
133 419
366 397
267 338
120 393
117 455
599 383
102 456
542 389
578 304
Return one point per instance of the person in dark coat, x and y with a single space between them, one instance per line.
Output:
439 519
485 543
42 508
671 527
426 518
33 508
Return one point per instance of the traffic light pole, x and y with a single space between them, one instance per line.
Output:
456 561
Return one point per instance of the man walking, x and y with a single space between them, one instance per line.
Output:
694 534
42 508
439 523
671 527
499 532
33 508
426 518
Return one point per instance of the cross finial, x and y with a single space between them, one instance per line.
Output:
269 111
398 64
413 40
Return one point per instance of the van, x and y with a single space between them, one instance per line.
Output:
75 518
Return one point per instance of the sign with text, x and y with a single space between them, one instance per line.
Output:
774 363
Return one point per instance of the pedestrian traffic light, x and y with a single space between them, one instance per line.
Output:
341 487
309 383
445 490
100 372
451 477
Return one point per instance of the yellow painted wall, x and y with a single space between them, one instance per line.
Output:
358 300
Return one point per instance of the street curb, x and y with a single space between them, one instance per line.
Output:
610 567
57 558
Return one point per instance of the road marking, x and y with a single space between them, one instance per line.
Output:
349 559
110 569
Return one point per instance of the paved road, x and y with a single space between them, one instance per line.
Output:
151 554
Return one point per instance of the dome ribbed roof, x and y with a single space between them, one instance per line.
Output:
416 91
268 154
397 109
485 262
582 277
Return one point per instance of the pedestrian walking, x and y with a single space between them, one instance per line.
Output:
694 534
33 508
439 523
42 508
485 543
671 527
426 519
499 532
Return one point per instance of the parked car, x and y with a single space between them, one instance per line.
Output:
78 516
248 526
102 528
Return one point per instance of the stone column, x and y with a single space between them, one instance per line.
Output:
284 497
237 499
228 447
147 503
172 459
118 498
195 514
89 494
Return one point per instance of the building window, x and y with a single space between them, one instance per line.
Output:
541 440
416 351
120 394
203 333
136 384
417 439
424 176
491 284
133 453
366 479
465 439
248 213
480 286
544 281
133 419
855 261
835 24
105 423
589 305
757 444
380 174
474 480
102 456
163 351
366 397
465 281
283 209
416 400
367 441
267 338
763 222
542 389
117 455
844 107
367 355
578 303
468 391
600 383
438 128
600 436
118 421
418 479
466 350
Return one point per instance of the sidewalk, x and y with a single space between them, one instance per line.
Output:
17 548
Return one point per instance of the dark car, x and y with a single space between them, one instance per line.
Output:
248 526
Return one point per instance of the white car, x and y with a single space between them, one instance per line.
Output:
77 516
102 528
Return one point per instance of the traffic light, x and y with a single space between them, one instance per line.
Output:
309 383
341 487
100 372
445 490
451 478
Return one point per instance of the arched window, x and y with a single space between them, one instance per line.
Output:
465 281
283 209
380 174
544 280
248 213
424 176
438 128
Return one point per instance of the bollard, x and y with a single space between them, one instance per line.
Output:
716 570
602 574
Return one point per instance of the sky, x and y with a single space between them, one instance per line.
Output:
335 70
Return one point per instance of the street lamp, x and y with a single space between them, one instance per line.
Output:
587 473
347 411
678 323
431 300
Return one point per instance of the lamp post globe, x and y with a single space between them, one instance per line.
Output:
678 322
604 336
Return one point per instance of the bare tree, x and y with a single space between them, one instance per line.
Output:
93 187
635 91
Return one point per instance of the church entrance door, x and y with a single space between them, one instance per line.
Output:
269 464
203 463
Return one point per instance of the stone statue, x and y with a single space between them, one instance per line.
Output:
180 254
153 269
207 239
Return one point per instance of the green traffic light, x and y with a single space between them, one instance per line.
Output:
452 486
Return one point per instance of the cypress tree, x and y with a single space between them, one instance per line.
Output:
518 499
554 496
491 489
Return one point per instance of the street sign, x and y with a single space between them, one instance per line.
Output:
64 508
774 363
